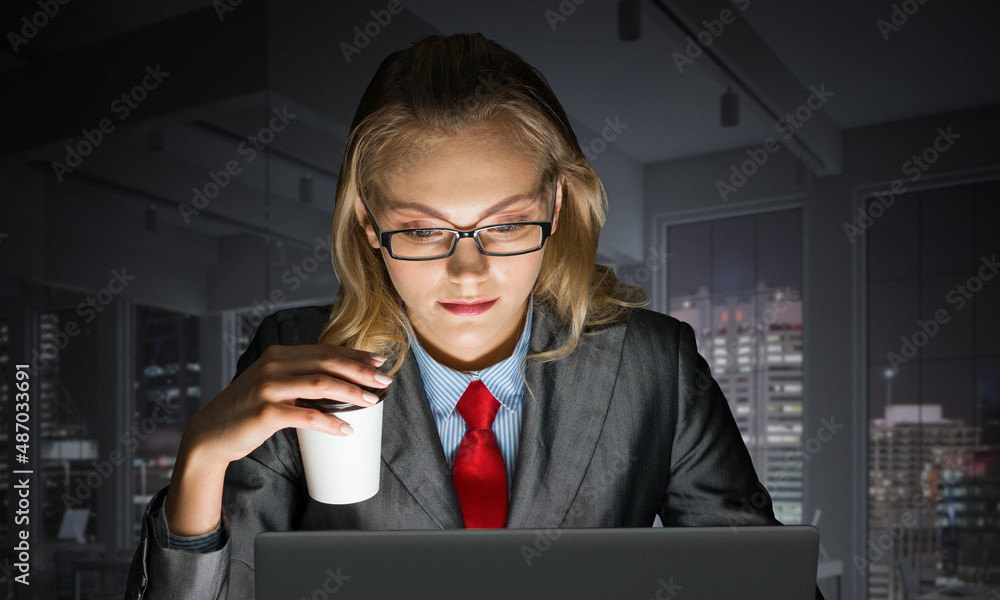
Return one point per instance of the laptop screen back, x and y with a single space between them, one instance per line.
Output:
654 563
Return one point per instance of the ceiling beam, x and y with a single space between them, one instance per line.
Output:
716 35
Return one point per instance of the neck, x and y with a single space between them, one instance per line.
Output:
470 360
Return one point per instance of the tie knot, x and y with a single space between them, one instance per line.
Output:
477 406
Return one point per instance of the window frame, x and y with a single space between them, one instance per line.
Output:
859 346
660 297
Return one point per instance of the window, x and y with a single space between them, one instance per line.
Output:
66 411
738 282
6 418
933 375
246 324
167 395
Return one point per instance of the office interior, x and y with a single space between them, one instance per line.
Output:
814 186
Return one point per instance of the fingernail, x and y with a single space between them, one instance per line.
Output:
382 378
378 357
346 429
369 397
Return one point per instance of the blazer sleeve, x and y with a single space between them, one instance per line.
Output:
712 479
259 493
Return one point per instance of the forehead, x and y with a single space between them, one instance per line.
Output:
464 172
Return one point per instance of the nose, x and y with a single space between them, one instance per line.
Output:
467 264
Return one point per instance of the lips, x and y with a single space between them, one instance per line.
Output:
468 308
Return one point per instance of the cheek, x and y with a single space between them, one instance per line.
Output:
520 272
411 279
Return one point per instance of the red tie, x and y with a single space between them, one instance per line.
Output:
479 474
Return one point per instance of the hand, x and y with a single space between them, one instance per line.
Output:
262 399
254 406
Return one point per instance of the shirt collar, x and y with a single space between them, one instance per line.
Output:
444 386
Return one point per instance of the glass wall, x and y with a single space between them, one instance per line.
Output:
66 417
6 418
738 282
933 373
167 394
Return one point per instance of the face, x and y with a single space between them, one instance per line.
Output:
467 181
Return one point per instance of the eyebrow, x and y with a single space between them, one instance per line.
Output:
433 212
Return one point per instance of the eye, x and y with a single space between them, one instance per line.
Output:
423 235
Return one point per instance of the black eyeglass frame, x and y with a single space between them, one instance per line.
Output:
385 237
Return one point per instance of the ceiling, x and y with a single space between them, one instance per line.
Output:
942 58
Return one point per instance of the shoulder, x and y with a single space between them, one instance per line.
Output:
287 327
301 325
643 318
290 326
639 337
644 326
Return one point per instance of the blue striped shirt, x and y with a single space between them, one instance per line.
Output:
444 387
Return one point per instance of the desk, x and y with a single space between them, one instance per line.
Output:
97 564
830 568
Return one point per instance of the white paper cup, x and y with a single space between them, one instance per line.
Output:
344 469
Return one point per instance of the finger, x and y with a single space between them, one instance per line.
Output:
328 350
316 386
337 366
308 418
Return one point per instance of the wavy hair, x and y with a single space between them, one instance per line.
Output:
420 96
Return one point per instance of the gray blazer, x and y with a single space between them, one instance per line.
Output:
629 426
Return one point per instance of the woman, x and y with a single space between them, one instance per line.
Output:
605 415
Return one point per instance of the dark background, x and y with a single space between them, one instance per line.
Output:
201 273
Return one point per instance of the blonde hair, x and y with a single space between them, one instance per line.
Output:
421 96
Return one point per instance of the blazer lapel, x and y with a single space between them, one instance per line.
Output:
411 447
564 409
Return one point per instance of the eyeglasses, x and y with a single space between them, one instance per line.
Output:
505 239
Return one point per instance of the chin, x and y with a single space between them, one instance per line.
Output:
472 338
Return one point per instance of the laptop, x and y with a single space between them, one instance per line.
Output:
641 564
